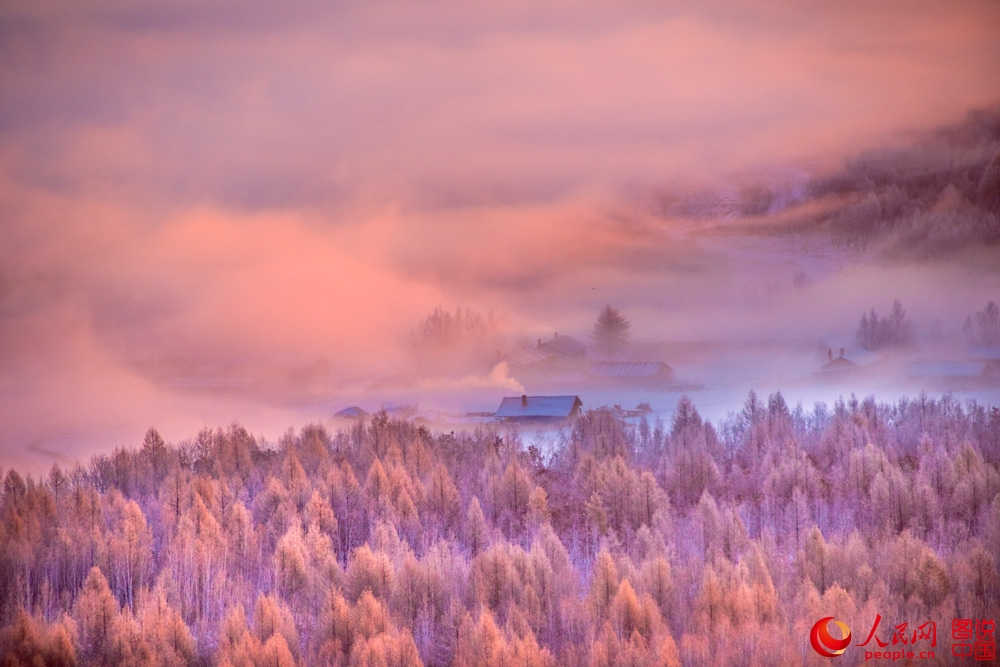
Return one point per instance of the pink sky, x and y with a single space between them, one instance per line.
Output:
246 189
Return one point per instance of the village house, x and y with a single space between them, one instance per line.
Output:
538 408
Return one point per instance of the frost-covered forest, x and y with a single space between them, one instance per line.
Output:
387 544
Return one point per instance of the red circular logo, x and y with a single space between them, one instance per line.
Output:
824 643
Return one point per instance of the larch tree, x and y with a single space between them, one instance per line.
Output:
476 528
98 620
167 637
603 585
272 617
30 641
369 571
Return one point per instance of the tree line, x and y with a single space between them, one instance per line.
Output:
629 543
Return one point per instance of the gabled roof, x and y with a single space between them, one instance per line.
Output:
538 406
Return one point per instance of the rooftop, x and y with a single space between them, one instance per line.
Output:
550 407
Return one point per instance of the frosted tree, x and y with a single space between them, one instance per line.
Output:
611 332
98 621
859 509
